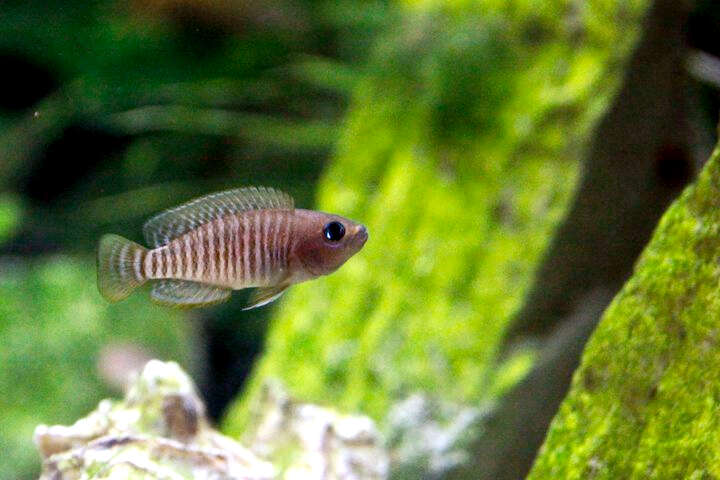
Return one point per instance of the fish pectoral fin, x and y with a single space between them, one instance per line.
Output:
183 293
263 296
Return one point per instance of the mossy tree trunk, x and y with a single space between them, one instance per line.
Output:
645 401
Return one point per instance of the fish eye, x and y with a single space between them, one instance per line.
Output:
334 231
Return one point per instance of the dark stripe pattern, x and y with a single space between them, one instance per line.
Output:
237 251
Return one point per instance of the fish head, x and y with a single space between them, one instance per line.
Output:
326 241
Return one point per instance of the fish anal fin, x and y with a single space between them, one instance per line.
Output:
264 295
186 294
172 223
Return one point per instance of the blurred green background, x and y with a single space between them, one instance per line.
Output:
456 130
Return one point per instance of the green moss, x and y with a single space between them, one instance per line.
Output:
645 402
460 153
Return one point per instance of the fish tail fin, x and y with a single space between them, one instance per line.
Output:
119 267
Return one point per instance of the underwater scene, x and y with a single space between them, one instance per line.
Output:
341 240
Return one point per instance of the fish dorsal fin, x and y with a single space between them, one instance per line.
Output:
170 224
263 296
183 293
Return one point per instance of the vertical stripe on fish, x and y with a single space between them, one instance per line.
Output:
247 237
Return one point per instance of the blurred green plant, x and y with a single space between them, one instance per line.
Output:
53 325
10 214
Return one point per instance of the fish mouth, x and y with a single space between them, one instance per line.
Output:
361 236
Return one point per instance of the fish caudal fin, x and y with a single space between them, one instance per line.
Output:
119 267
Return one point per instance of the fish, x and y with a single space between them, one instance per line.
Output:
250 237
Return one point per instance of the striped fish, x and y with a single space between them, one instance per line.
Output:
244 238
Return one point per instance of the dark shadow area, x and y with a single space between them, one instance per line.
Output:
23 82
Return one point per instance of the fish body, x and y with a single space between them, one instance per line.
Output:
243 238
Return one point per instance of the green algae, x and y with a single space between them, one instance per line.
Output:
645 402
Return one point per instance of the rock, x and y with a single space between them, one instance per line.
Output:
158 431
315 442
428 437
